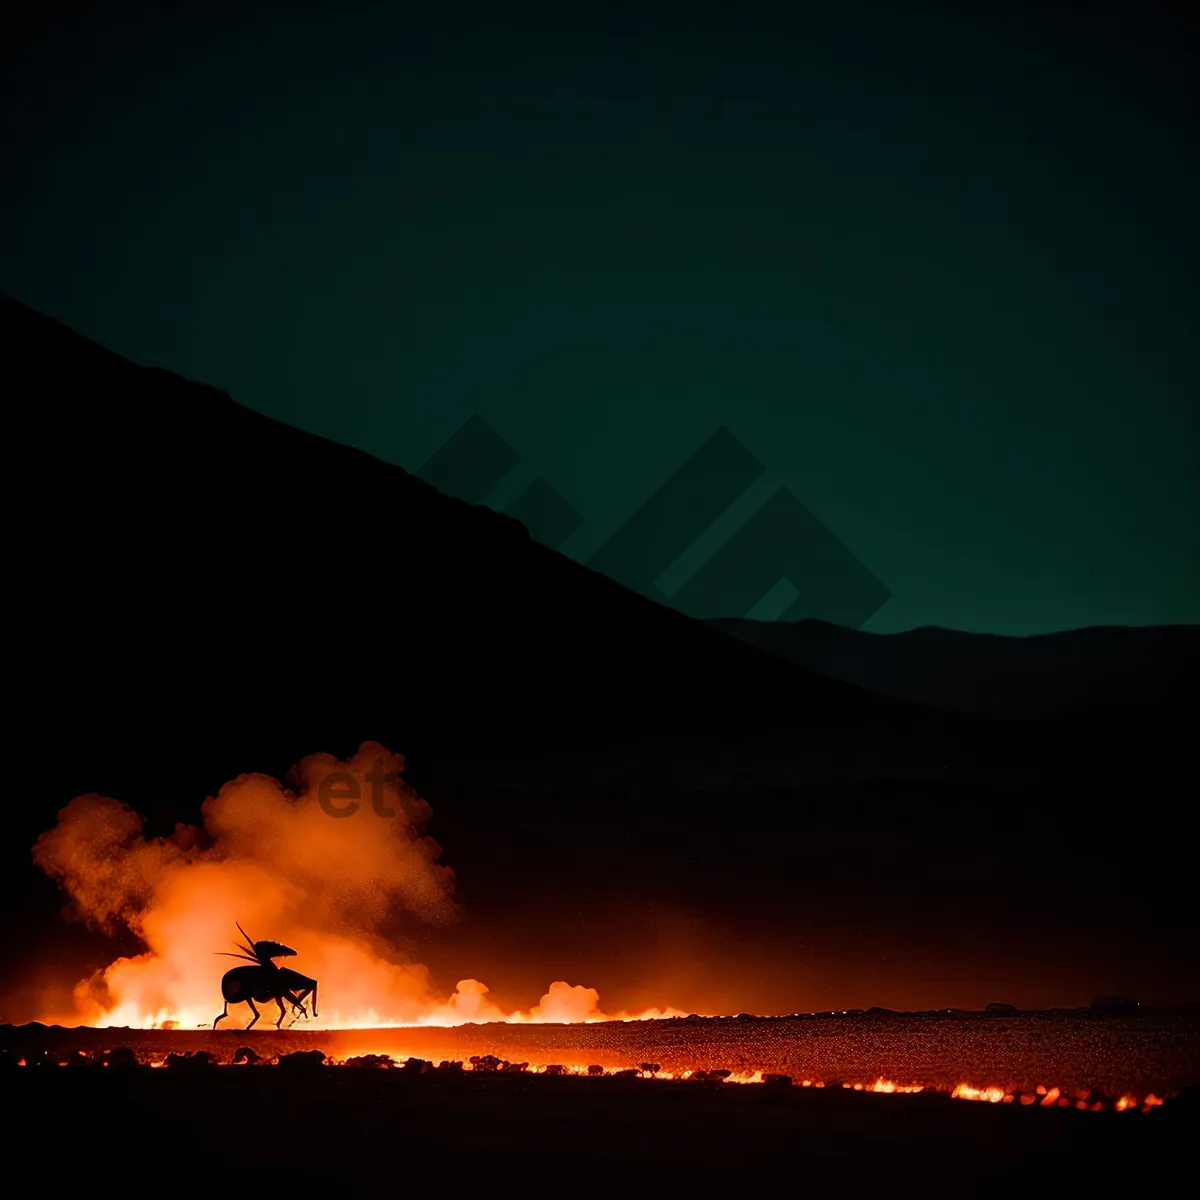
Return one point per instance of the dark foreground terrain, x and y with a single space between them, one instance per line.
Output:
273 1130
325 1109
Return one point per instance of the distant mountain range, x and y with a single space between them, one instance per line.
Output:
1077 671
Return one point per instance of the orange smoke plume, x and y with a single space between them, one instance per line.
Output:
280 861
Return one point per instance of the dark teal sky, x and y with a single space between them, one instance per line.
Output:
936 273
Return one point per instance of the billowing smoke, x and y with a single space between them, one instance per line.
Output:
283 863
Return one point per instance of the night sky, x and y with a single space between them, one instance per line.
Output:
935 271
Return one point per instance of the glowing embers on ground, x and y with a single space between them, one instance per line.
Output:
491 1065
1086 1100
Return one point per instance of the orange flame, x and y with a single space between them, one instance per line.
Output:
993 1095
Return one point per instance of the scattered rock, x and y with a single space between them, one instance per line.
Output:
447 1065
778 1080
302 1059
122 1056
191 1059
485 1062
555 1069
595 1069
371 1061
245 1055
516 1068
650 1068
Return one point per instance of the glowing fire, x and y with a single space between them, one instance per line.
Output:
993 1095
274 859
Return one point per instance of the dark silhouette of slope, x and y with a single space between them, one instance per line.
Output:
1077 671
185 555
188 564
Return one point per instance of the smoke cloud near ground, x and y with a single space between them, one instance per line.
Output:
288 861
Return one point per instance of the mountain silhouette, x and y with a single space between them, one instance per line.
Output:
186 555
1075 671
188 564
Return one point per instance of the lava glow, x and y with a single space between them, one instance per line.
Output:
274 858
380 1060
